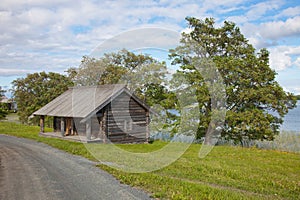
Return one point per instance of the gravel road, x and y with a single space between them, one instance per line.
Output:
32 170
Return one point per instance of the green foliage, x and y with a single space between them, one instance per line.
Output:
251 88
142 74
3 111
120 67
1 92
36 90
298 97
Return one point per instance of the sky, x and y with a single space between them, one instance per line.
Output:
53 35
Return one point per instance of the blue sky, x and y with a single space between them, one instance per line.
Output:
53 35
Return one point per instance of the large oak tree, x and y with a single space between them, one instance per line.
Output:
255 102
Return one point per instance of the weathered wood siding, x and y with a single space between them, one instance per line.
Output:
56 124
95 127
126 120
79 126
123 120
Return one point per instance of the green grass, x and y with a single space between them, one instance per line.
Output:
31 132
226 173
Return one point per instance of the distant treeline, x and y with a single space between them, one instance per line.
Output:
298 97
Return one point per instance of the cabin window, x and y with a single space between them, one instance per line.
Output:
127 125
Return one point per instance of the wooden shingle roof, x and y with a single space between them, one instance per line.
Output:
83 101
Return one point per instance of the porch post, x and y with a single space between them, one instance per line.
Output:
101 131
104 126
88 129
42 123
72 126
62 126
147 125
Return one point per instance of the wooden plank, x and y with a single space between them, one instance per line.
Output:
95 126
117 135
88 129
126 111
132 126
42 123
119 132
128 140
126 105
120 116
147 125
80 127
122 120
62 126
104 124
68 126
138 135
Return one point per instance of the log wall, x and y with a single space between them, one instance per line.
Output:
126 120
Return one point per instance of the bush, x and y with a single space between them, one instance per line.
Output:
3 113
285 141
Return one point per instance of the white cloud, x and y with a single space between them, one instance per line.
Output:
217 4
281 57
271 33
297 62
278 29
140 39
279 60
255 11
53 35
258 10
296 90
13 72
292 86
289 12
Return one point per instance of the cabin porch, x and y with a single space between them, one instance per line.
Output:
75 138
75 129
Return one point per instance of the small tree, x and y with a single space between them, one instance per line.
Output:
3 113
36 90
251 89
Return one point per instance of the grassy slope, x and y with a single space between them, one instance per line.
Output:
31 132
226 173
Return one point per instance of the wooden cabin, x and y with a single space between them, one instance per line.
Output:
110 113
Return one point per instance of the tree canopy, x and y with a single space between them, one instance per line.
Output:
142 74
3 113
255 102
36 90
145 76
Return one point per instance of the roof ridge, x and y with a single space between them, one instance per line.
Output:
98 86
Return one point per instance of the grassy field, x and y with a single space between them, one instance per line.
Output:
31 132
226 173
